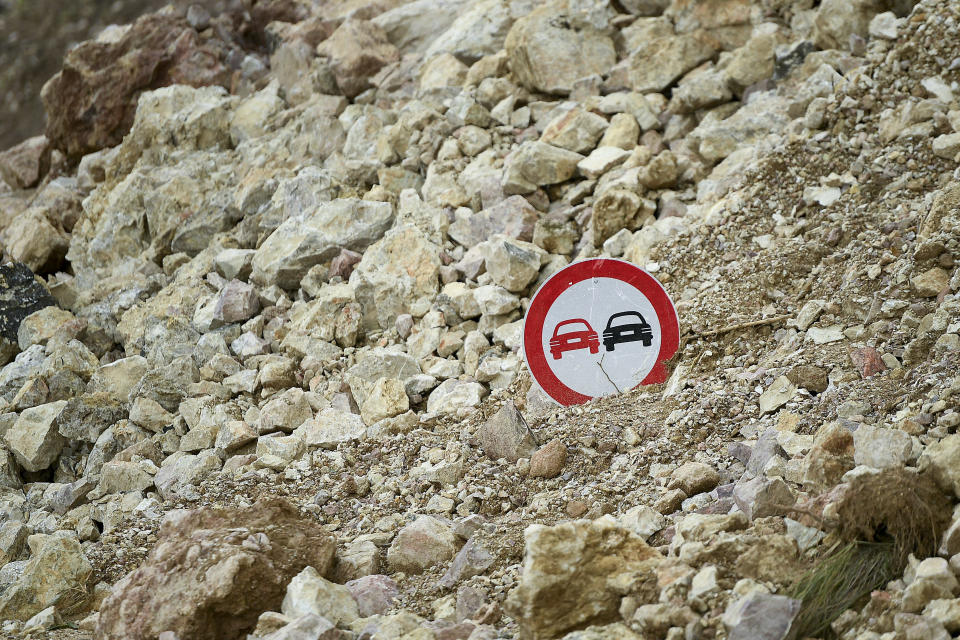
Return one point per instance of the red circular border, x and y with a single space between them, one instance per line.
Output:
569 276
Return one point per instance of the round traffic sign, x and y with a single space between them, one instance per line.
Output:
598 327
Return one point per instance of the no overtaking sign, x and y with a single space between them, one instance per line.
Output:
598 327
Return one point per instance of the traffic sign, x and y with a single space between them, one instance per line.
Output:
598 327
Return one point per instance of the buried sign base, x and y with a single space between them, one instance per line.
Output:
598 327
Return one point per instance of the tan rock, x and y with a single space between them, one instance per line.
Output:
574 574
548 461
357 50
56 572
251 555
549 54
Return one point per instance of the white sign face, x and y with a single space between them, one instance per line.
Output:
599 327
627 330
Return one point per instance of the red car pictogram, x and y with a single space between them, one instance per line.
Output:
571 340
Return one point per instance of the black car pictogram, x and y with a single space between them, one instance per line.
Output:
631 328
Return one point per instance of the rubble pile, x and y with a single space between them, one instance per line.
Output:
265 280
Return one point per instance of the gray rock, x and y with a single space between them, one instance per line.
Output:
374 594
506 435
86 417
34 438
767 446
881 448
300 243
472 560
761 616
761 497
238 301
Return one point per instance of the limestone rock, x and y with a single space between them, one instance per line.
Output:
398 274
777 394
387 398
576 130
694 478
656 64
309 592
506 435
942 459
454 396
57 570
572 572
331 427
256 551
512 264
23 165
617 209
549 50
837 20
300 243
34 438
356 51
548 461
536 164
881 448
424 543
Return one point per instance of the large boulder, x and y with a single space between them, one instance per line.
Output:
575 573
212 572
90 104
55 575
556 45
300 243
398 274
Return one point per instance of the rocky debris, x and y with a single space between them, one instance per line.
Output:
311 282
258 550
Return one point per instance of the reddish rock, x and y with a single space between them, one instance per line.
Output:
213 571
90 104
549 460
867 361
24 165
343 264
357 50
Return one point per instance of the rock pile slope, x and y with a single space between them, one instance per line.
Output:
270 385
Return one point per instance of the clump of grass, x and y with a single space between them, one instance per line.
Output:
881 519
843 576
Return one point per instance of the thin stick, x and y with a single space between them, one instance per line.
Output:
742 325
600 364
